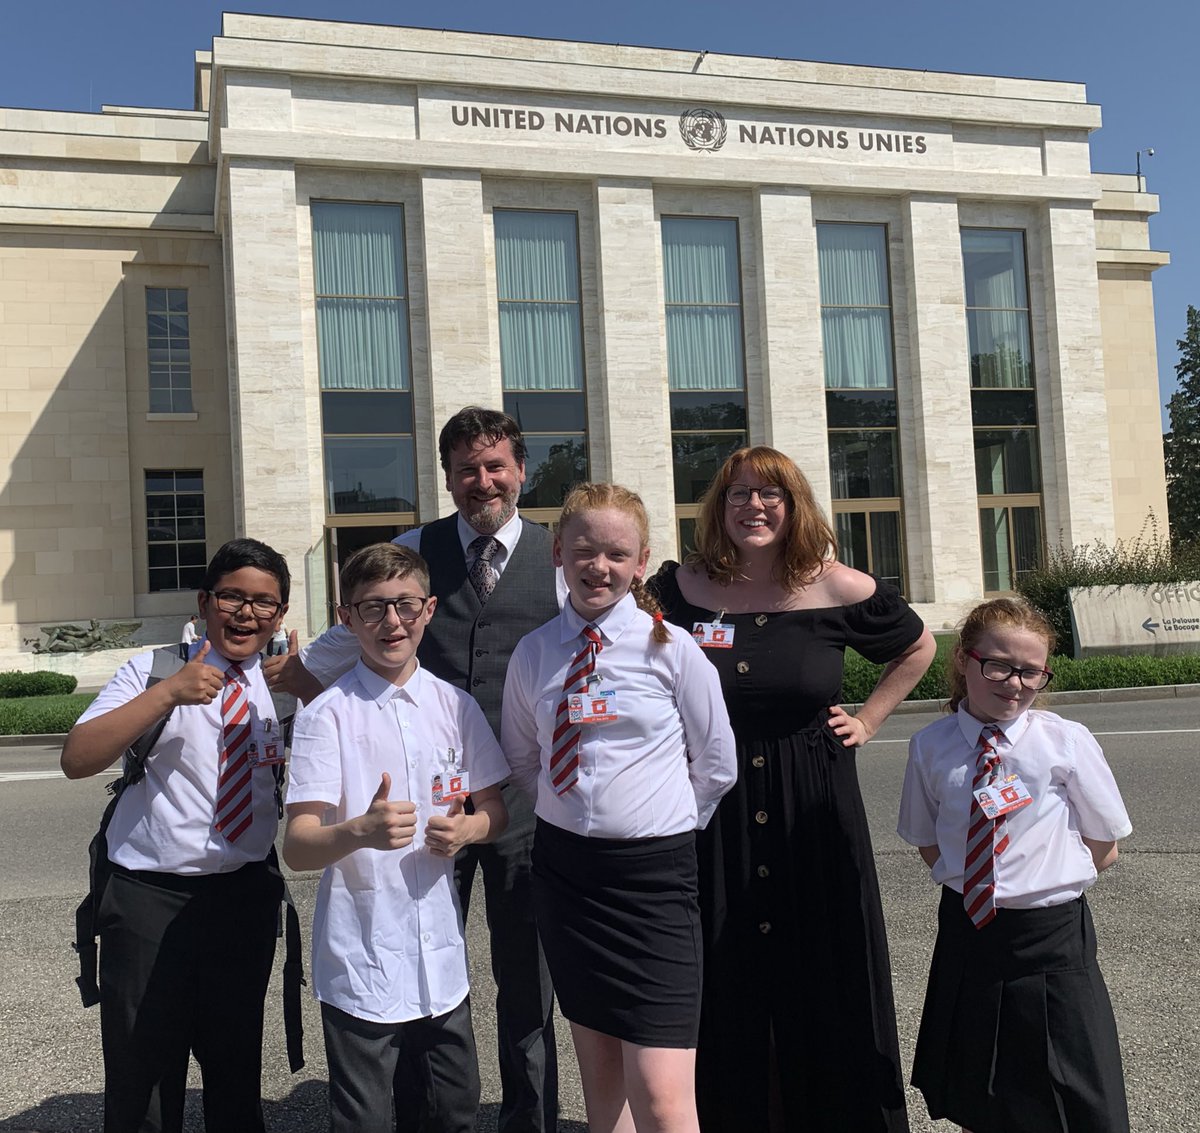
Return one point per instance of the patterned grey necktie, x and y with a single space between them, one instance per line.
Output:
481 574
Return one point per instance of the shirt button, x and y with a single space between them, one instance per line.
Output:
758 761
764 871
761 620
761 817
743 666
477 681
764 927
587 770
425 937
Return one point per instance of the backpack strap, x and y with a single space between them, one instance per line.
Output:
165 662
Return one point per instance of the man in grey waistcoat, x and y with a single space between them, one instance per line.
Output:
495 581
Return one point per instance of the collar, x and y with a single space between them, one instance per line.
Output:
381 691
970 727
218 660
507 536
611 624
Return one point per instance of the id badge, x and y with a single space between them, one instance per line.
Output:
592 707
1003 797
713 635
266 749
450 785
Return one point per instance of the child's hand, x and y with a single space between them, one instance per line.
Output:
387 826
196 682
446 834
850 729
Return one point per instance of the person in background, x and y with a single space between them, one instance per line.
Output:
618 727
797 1028
494 581
1018 1033
190 635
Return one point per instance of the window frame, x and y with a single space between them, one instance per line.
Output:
176 542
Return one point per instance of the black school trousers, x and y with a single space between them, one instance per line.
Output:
184 967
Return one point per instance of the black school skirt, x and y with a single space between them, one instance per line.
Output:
1018 1033
619 922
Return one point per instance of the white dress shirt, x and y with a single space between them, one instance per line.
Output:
165 821
387 939
336 651
1074 796
661 767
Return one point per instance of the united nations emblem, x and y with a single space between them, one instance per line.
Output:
703 129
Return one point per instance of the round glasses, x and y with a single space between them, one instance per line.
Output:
999 671
769 495
230 602
374 610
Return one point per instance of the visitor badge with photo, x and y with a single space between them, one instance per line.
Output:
1003 797
449 786
713 635
592 707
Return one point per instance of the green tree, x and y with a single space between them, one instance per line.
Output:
1182 444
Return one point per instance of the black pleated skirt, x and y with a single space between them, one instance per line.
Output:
619 922
1018 1033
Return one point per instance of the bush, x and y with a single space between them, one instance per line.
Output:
1143 561
1070 675
35 684
42 715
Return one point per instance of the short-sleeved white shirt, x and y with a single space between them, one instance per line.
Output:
387 933
661 767
165 821
1074 796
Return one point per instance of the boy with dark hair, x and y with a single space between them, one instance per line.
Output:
382 764
188 917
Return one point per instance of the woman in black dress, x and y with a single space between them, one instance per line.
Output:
797 1028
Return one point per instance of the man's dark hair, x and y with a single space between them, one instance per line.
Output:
238 553
473 424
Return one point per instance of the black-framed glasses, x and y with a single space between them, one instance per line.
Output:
374 610
769 495
230 602
999 671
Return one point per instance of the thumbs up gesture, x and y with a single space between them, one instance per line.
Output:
387 825
446 834
197 682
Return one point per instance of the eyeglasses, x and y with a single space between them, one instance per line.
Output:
230 602
1000 671
374 610
769 495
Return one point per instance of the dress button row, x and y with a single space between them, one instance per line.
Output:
743 666
764 927
761 620
758 761
764 871
761 817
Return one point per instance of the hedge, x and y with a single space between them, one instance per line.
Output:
1070 674
35 684
40 715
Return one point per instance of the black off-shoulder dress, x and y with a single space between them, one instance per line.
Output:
796 960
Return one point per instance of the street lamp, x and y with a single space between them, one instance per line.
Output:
1149 152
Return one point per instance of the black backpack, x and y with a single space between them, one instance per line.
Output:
165 662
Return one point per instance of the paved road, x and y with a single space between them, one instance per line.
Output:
1147 911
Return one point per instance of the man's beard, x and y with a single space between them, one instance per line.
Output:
488 521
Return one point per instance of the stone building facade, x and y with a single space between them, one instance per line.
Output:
252 317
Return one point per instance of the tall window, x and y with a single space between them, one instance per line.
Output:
175 528
706 365
860 398
365 364
169 344
1008 477
541 350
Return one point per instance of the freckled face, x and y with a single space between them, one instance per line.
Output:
601 553
999 701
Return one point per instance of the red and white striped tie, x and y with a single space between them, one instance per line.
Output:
564 747
234 781
979 885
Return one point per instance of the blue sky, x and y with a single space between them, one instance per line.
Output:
1138 60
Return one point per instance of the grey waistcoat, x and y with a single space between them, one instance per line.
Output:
468 644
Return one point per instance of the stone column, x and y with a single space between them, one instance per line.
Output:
791 402
1072 414
460 310
275 418
629 407
940 509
